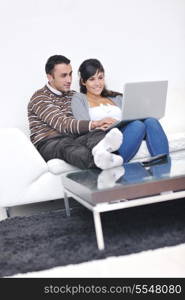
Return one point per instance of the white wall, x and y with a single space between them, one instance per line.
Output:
135 40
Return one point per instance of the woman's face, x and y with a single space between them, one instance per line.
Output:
95 84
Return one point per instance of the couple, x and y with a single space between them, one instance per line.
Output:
72 126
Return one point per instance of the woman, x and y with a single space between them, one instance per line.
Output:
95 102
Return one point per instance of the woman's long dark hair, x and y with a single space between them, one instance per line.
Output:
88 69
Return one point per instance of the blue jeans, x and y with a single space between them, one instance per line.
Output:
136 131
135 172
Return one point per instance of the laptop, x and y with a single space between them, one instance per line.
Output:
143 100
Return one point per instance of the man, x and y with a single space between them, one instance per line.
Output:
57 134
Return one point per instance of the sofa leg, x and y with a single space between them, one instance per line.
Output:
8 212
66 203
3 213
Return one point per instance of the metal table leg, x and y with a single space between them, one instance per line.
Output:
66 203
98 229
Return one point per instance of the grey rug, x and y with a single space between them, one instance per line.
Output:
51 239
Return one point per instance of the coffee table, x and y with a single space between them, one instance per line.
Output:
138 185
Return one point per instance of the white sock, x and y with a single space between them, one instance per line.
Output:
108 178
111 142
106 160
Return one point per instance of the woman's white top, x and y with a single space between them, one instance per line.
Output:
104 111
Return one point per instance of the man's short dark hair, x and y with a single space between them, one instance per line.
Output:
54 60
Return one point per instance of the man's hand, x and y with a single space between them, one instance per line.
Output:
103 124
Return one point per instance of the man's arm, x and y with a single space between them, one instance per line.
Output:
58 118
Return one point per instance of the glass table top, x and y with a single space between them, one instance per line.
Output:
131 173
90 182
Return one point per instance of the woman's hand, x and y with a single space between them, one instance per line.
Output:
108 121
103 124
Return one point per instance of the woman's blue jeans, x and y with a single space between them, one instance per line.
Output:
133 134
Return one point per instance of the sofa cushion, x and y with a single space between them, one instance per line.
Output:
58 166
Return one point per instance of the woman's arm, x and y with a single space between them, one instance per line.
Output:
80 111
79 107
118 100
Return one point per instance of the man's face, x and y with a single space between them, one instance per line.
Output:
61 77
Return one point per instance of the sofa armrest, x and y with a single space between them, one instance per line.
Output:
21 167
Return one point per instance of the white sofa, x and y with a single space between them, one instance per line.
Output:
27 178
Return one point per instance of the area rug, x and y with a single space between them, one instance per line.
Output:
51 239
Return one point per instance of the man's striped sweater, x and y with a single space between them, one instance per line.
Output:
50 115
